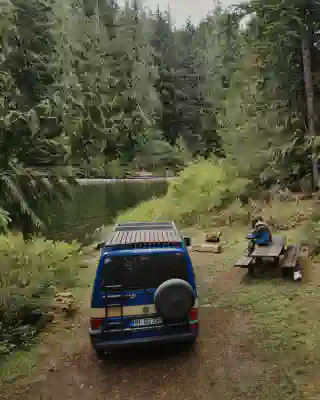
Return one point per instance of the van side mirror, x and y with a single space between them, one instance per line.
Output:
187 240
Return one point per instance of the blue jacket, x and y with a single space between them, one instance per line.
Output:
261 235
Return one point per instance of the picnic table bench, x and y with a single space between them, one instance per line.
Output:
244 262
291 256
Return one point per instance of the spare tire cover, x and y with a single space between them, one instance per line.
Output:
174 299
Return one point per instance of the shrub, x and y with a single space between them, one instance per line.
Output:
30 272
313 232
4 220
200 188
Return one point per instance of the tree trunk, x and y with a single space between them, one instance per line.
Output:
306 56
26 228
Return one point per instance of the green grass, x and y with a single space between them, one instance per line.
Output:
284 320
31 272
284 323
22 365
284 315
199 189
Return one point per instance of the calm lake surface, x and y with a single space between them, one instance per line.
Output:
97 203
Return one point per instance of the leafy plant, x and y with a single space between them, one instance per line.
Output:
30 274
203 187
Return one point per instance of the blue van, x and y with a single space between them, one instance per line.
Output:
145 289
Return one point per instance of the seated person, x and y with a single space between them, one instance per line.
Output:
261 234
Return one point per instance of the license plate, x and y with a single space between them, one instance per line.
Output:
145 322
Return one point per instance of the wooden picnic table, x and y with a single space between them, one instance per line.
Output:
272 250
284 257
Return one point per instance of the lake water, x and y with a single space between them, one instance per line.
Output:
97 203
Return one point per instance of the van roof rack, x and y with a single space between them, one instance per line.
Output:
144 235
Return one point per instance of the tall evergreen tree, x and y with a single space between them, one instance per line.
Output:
136 100
281 78
189 99
165 55
32 155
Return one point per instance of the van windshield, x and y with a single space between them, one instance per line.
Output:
143 271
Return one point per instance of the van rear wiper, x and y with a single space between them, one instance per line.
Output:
148 291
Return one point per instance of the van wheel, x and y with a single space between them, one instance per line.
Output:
192 342
190 345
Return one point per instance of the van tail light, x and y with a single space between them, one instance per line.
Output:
193 317
95 323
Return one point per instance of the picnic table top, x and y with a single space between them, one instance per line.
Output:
272 250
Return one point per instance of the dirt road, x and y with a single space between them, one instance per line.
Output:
223 365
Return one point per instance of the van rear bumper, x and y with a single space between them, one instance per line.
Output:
119 344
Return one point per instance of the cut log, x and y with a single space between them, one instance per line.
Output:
213 237
207 248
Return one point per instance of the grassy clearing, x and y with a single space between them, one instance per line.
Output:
206 194
284 324
200 188
284 316
31 273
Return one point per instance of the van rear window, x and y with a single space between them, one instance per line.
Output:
143 271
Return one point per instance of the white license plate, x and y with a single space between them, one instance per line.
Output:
145 322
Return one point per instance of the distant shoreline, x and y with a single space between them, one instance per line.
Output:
90 181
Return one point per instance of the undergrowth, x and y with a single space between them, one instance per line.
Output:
30 274
312 231
201 189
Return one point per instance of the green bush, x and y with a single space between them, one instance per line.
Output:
201 188
4 220
312 232
29 275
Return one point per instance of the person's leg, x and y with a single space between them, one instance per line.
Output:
250 248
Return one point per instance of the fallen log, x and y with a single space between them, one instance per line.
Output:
207 248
